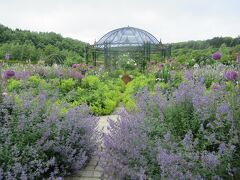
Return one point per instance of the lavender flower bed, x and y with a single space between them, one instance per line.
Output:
191 134
39 140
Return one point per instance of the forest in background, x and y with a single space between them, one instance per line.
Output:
25 45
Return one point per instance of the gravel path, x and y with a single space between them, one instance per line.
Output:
93 171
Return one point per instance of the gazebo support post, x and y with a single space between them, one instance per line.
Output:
86 53
94 56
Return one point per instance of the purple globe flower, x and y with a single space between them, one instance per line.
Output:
217 56
8 74
74 65
231 75
79 75
161 65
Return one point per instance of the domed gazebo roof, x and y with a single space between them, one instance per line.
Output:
127 36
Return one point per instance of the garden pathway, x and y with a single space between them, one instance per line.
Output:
93 170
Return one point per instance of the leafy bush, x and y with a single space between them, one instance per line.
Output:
192 134
101 97
67 85
39 141
14 85
34 81
91 82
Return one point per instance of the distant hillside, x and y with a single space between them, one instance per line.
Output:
26 45
215 42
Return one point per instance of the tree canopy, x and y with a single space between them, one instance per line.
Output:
26 45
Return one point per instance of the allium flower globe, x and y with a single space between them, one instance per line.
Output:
79 75
217 56
8 74
231 75
74 66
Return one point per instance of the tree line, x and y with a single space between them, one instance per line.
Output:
25 45
215 42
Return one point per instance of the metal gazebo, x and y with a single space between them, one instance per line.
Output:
139 43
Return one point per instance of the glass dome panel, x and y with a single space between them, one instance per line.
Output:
127 36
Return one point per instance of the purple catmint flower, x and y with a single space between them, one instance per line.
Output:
74 138
222 148
187 141
7 56
217 56
22 75
133 137
189 75
231 75
8 74
167 137
210 160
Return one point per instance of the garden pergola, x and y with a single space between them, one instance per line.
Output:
140 44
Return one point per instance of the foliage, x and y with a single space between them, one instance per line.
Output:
102 97
14 85
39 141
67 85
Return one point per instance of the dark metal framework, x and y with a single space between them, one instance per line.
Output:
141 44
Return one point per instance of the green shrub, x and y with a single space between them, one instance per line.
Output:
67 85
34 81
101 97
14 85
91 82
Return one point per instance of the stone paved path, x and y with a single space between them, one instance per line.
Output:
93 171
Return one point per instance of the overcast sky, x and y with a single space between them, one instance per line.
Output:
87 20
